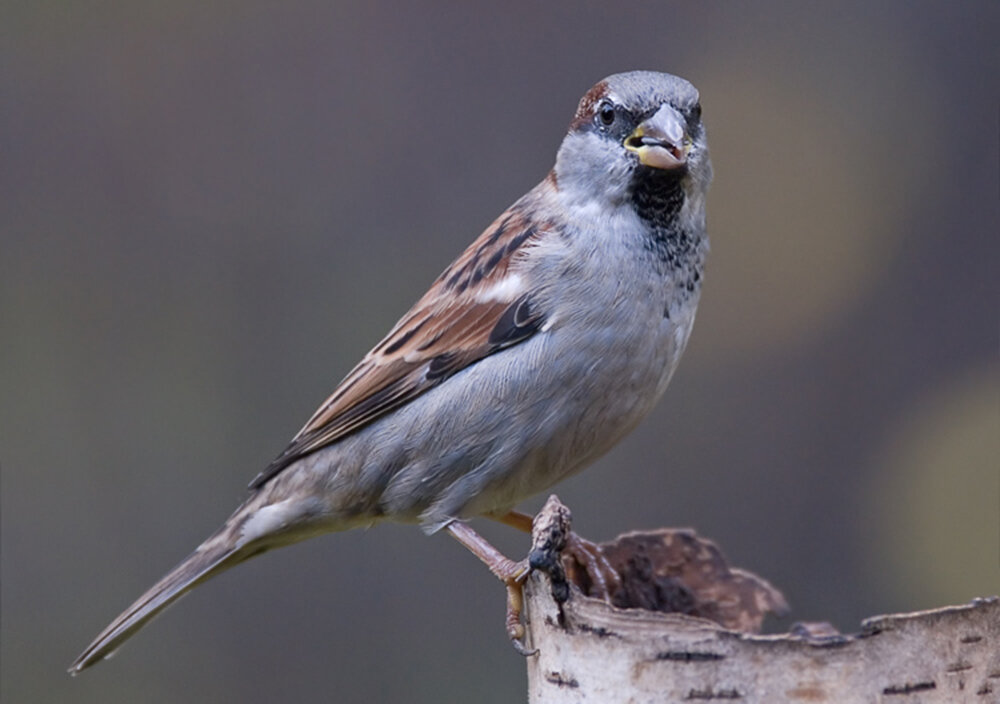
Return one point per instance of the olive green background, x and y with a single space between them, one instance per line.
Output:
210 211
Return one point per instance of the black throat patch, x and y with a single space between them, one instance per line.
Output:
658 197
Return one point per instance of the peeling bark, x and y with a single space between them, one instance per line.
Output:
592 651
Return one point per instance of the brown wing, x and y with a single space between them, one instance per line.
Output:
472 310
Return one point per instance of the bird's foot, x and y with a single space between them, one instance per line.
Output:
566 556
515 606
590 569
511 573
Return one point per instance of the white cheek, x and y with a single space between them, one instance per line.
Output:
505 290
590 209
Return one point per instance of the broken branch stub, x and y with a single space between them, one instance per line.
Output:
593 651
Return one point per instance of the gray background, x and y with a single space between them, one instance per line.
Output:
210 211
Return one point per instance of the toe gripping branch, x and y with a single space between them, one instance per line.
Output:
552 544
671 570
511 573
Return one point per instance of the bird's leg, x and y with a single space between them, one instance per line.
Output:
511 573
515 519
604 579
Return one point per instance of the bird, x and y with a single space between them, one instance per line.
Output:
538 349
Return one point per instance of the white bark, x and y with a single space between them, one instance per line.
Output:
590 651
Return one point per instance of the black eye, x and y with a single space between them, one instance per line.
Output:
696 111
606 113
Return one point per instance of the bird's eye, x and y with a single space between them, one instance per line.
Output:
606 113
696 111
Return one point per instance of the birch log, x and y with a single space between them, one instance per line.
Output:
591 651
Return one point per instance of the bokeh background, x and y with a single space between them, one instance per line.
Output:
210 211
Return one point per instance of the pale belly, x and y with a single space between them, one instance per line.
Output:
506 428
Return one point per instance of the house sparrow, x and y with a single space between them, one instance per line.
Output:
537 350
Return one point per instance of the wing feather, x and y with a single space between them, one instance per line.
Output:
464 317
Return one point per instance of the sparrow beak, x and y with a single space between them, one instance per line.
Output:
661 142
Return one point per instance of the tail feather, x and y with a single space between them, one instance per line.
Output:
215 555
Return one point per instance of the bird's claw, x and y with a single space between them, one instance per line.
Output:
515 607
513 575
603 578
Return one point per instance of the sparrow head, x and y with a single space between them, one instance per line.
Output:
633 134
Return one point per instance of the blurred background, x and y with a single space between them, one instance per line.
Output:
210 211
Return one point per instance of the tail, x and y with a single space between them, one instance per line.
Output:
215 555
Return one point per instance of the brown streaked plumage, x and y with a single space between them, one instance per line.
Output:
449 328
